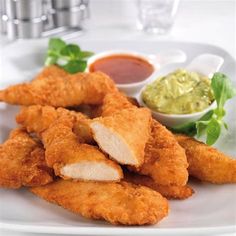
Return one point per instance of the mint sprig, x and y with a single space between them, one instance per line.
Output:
68 56
212 122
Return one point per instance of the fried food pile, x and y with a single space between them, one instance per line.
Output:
114 163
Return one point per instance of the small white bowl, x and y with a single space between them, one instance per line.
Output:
205 64
171 120
130 88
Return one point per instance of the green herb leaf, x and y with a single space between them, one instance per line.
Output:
75 66
222 88
50 60
71 50
187 128
201 126
213 131
67 56
56 44
85 54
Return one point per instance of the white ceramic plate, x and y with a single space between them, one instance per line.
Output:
211 210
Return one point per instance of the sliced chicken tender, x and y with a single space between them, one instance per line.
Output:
207 163
37 118
170 191
124 135
73 160
117 203
22 162
60 90
165 160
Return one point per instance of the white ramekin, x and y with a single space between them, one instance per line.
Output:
129 88
171 120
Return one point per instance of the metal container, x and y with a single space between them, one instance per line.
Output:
3 25
71 17
24 29
41 18
24 9
65 4
2 17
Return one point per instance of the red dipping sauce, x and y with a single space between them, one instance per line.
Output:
123 69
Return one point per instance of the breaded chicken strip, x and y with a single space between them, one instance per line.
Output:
165 160
73 160
207 163
61 91
124 135
22 162
114 102
51 71
170 191
117 203
37 118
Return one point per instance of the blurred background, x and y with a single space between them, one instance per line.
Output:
206 21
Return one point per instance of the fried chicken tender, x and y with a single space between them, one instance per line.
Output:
51 72
37 118
73 160
207 163
165 160
22 162
124 135
170 191
117 203
60 91
114 102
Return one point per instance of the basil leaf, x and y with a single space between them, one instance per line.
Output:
213 131
85 54
222 88
56 44
50 60
71 50
201 127
75 66
187 128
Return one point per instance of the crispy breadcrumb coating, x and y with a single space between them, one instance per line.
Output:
170 191
22 162
207 163
117 203
60 90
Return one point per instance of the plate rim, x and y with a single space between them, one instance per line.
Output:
114 230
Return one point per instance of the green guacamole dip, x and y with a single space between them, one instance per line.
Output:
180 92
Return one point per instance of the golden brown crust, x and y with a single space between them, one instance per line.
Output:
207 163
62 148
133 126
114 102
22 162
37 118
170 191
61 90
165 160
117 203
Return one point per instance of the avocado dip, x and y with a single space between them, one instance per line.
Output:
180 92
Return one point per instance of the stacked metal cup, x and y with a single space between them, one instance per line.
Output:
36 18
24 18
70 12
2 17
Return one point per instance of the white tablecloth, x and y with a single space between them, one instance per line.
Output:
206 21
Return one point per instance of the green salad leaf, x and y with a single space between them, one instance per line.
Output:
67 56
211 123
